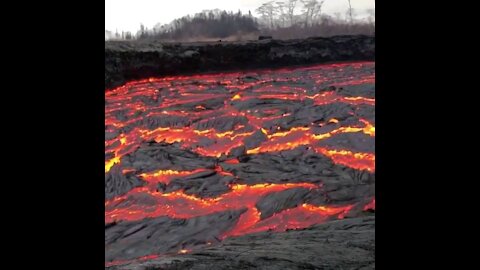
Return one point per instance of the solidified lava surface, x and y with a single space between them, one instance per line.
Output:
193 162
135 60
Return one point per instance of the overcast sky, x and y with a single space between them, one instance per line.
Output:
127 15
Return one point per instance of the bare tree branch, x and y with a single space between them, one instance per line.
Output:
350 11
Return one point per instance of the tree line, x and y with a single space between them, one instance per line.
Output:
206 24
280 19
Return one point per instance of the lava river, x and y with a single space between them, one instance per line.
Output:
191 160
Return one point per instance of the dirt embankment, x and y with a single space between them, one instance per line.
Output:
125 61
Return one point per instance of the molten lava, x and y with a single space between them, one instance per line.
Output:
178 204
216 115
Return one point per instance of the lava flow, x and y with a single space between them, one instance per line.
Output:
191 160
177 204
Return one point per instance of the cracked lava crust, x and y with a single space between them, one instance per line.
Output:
192 162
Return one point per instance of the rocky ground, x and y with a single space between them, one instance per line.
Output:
257 169
265 169
341 244
126 61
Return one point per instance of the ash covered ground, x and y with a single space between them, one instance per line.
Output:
272 169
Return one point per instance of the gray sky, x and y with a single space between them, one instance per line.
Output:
127 15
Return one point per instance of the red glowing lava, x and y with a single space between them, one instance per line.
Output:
181 205
299 217
164 176
370 206
212 115
124 99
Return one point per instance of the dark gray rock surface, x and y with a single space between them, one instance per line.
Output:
125 61
279 201
117 183
130 240
341 244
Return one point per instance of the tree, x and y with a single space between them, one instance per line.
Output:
291 4
267 11
350 11
206 24
311 10
317 10
280 6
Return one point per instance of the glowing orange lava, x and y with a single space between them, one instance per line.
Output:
164 176
122 99
213 115
181 205
359 161
301 216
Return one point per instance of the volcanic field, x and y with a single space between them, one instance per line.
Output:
213 171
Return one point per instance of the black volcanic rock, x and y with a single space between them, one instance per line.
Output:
165 121
117 183
129 60
298 165
364 90
203 184
279 201
366 112
255 139
238 151
346 194
129 240
162 156
341 244
357 142
221 124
